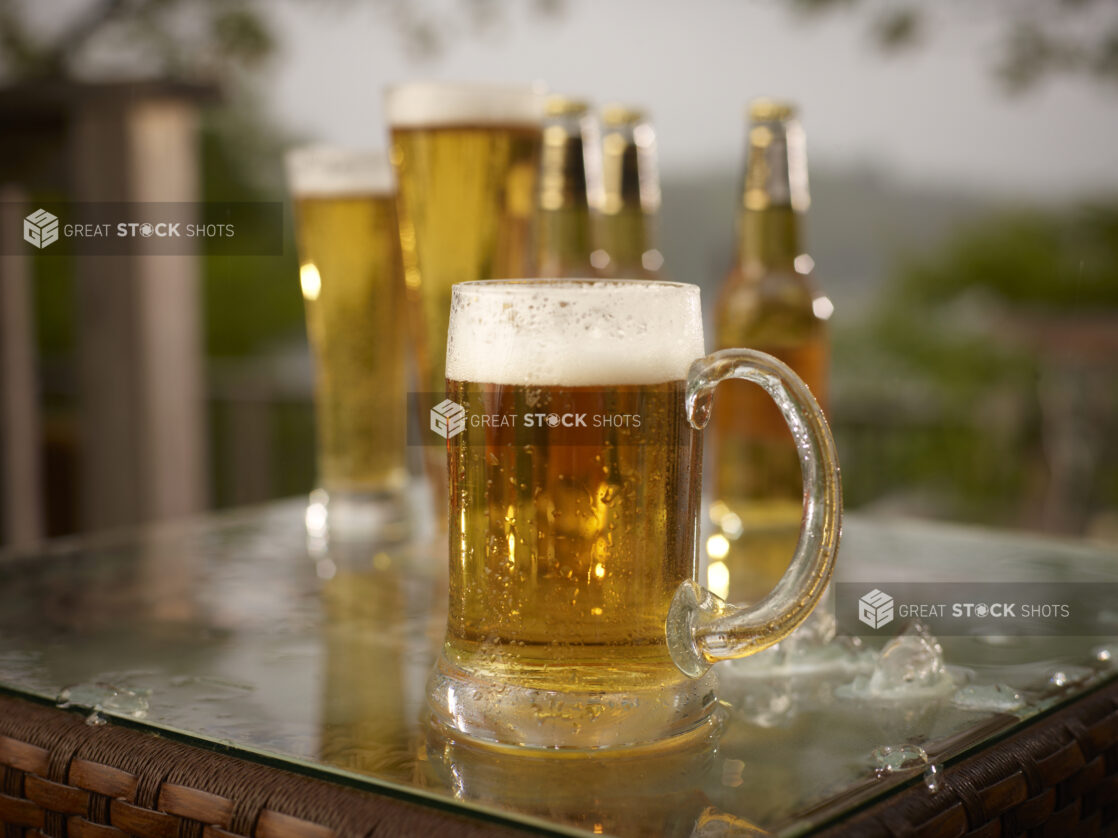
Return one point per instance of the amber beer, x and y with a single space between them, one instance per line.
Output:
351 277
466 159
768 302
586 534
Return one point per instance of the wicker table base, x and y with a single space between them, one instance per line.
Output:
62 778
1057 778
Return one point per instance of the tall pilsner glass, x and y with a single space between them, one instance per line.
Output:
351 276
467 161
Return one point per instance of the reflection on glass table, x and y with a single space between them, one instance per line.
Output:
234 631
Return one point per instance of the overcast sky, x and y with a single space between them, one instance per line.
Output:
932 114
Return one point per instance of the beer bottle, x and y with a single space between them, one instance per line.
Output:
630 197
569 167
769 302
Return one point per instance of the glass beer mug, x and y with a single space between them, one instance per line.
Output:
574 414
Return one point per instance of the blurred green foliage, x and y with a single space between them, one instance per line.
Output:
251 302
1031 259
54 296
945 387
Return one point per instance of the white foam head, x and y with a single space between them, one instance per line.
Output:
575 332
329 170
426 104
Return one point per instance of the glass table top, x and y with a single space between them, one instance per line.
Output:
235 631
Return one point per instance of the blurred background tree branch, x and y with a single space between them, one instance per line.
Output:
212 39
1040 38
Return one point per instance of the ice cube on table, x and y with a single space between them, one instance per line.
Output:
911 660
909 667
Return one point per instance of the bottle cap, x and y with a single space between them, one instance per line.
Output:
771 110
614 115
565 106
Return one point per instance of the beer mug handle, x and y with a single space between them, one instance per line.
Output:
703 628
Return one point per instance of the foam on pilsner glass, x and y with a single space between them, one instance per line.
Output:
580 333
427 104
330 171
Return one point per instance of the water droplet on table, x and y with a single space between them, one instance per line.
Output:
998 698
890 758
105 696
1067 676
933 778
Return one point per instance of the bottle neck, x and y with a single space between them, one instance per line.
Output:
564 230
774 196
563 182
629 172
565 243
625 236
629 200
769 239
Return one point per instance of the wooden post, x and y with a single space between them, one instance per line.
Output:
21 484
139 332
